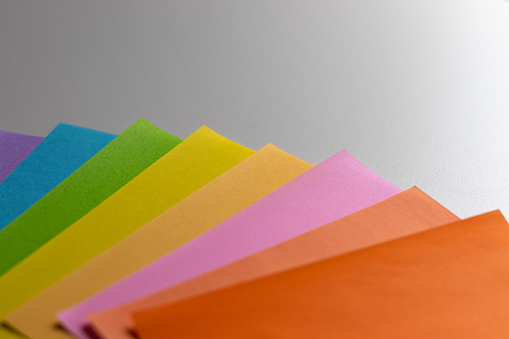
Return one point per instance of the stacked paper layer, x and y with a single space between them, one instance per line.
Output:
147 235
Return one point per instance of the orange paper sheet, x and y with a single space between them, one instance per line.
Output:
449 282
405 213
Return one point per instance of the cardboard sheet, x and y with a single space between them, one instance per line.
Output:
405 213
14 148
65 149
449 282
333 189
228 194
191 164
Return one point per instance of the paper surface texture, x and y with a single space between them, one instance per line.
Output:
405 213
14 148
333 189
252 179
111 168
66 148
448 282
117 163
191 164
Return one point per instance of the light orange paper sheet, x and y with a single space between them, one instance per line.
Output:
448 282
236 189
407 212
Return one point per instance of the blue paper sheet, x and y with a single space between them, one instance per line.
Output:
65 149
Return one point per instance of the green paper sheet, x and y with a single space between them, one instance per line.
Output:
121 160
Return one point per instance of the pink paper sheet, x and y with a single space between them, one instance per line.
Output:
333 189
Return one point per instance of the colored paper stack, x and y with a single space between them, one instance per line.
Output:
146 235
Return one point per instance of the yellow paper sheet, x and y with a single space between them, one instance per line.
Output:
236 189
190 165
7 332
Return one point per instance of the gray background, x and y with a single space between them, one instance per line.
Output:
416 90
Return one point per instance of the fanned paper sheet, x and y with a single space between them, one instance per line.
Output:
111 168
448 282
14 148
63 151
190 165
405 213
117 163
333 189
252 179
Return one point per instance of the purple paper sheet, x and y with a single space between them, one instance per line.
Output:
14 148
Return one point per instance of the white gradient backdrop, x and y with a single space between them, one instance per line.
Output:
417 90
